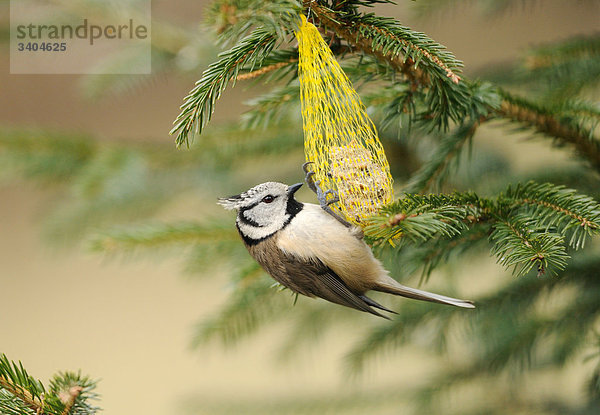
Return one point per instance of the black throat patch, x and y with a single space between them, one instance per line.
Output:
293 208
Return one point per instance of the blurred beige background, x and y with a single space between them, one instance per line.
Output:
129 323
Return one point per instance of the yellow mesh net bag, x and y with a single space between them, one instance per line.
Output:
339 137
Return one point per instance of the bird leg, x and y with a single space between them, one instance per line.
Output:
322 195
308 177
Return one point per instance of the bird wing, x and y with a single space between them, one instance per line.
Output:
313 278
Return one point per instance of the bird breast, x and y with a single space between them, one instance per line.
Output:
314 234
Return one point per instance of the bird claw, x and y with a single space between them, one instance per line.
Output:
309 177
322 195
305 166
334 197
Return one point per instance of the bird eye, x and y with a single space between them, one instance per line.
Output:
268 199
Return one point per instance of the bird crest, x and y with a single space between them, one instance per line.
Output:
236 202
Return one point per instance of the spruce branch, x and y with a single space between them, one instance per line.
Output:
264 70
572 50
254 302
422 217
432 173
68 393
22 394
76 392
270 107
199 103
395 333
159 235
428 256
528 223
48 156
523 339
427 66
415 46
518 244
70 398
416 224
385 39
557 207
581 110
16 381
565 69
511 311
448 102
544 121
234 19
275 66
556 72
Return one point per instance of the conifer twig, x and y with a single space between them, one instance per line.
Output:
198 105
583 220
264 70
517 109
511 107
450 146
69 398
23 394
331 21
453 76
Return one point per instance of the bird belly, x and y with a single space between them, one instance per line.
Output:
266 254
314 234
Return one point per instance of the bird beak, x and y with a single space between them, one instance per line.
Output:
294 188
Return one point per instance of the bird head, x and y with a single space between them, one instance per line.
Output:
265 208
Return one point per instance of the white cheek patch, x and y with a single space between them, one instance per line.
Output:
249 219
262 232
263 214
255 217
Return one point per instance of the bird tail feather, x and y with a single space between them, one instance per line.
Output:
393 287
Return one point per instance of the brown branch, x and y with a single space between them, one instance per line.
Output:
69 397
454 77
547 124
544 123
518 233
23 394
264 70
330 20
402 64
584 221
396 219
